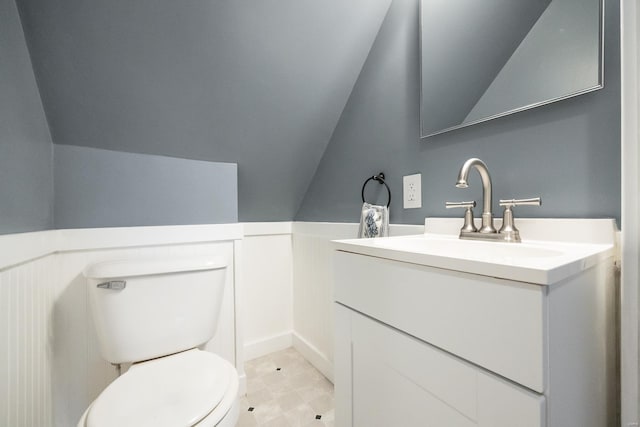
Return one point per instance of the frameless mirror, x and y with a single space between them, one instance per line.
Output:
485 59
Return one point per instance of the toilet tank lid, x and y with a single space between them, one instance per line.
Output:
151 266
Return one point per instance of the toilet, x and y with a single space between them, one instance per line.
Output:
155 314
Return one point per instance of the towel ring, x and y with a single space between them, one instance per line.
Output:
380 179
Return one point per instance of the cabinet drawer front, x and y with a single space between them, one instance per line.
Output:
399 380
494 323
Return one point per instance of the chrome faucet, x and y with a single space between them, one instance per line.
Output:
463 175
508 232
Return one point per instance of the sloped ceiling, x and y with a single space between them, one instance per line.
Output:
258 83
26 188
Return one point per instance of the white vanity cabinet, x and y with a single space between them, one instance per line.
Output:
418 345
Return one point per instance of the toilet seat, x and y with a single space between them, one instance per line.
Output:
181 390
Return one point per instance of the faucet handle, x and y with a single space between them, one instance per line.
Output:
508 228
509 203
468 214
450 205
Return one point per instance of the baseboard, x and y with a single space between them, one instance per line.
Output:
242 386
268 345
313 356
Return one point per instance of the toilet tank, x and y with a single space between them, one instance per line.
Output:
143 309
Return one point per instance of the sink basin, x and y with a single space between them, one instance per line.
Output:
540 262
456 248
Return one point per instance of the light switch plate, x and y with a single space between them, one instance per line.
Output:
412 191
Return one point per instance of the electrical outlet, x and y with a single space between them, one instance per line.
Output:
412 191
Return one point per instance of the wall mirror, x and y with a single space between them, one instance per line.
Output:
486 59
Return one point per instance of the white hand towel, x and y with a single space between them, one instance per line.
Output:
374 221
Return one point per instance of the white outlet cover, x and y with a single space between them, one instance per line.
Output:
412 191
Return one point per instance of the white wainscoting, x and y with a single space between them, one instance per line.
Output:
267 288
27 299
287 287
51 369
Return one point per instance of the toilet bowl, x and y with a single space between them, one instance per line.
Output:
191 389
155 313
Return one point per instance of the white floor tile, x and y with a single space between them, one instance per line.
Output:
284 390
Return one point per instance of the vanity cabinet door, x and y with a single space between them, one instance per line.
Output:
494 323
387 378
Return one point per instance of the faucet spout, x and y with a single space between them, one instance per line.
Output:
463 175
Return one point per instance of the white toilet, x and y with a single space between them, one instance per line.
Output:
154 314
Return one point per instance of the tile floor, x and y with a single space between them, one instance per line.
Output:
284 390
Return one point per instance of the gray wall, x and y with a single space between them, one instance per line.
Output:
26 188
567 152
101 188
257 83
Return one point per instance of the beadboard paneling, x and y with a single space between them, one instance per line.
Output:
27 299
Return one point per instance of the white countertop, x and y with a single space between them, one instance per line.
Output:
541 262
